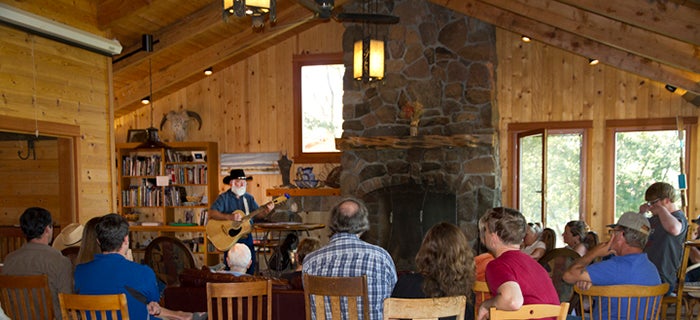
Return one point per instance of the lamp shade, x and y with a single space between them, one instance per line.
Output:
368 60
258 3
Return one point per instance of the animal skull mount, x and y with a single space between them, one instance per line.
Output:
178 122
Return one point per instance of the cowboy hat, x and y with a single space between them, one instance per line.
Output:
70 236
236 174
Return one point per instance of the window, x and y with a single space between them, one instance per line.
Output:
318 106
645 154
550 157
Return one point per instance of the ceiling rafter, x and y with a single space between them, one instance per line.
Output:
670 19
610 32
109 11
226 52
575 43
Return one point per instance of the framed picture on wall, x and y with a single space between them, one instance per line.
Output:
137 135
199 156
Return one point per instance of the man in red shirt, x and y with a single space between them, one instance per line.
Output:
514 278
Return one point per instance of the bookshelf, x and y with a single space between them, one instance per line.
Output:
167 192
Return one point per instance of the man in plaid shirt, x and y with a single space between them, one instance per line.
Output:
348 256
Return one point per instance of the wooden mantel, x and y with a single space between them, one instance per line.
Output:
408 142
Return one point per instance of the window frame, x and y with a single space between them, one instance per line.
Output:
299 61
614 126
517 130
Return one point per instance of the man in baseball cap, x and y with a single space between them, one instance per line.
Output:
628 237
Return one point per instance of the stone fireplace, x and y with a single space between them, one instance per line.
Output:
449 172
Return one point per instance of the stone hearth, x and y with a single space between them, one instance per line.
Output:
445 61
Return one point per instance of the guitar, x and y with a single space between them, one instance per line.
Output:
223 234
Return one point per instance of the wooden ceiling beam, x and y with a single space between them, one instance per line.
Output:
671 19
225 53
574 43
610 32
109 11
198 23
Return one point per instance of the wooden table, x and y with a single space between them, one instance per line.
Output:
272 235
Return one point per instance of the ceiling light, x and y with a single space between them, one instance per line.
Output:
525 38
368 54
146 100
593 61
209 71
254 8
670 88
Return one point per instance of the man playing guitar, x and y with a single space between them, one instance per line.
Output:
236 198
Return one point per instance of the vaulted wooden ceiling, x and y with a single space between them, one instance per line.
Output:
657 39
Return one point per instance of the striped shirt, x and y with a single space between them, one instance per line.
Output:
348 256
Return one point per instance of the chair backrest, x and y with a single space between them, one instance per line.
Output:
680 280
168 257
532 311
83 306
622 301
329 290
26 297
481 293
556 262
426 308
11 239
248 300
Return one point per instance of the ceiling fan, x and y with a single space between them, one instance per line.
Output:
324 10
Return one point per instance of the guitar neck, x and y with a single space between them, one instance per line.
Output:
263 209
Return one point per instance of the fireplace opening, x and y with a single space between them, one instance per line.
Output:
401 215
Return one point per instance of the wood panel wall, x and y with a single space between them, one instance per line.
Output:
72 88
539 83
246 107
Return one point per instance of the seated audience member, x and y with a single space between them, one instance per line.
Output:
445 265
694 258
346 255
89 247
629 265
110 272
238 260
532 245
514 278
574 236
70 236
549 237
306 246
37 257
668 231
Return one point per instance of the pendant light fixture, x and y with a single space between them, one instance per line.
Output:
368 54
256 9
152 140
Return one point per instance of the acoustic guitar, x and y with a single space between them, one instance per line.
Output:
223 234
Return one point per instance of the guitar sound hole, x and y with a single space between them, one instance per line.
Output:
233 232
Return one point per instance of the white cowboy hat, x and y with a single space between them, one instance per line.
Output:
70 236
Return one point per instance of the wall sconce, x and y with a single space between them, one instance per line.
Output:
254 8
593 62
209 71
525 38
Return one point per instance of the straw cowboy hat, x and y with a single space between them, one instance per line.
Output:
70 236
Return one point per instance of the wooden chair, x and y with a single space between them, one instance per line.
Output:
425 309
532 311
481 293
329 290
83 306
622 301
168 257
247 297
678 298
26 297
11 239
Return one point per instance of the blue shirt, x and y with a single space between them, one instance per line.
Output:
348 256
628 269
110 273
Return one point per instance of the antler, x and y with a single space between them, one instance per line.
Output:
196 117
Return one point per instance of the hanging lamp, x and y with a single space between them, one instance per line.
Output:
152 139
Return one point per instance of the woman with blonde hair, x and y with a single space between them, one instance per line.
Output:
445 263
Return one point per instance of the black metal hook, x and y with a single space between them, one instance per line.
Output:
30 150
